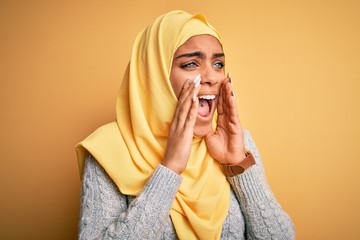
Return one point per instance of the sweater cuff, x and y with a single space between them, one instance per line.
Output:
249 185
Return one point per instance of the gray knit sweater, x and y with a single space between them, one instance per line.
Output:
106 213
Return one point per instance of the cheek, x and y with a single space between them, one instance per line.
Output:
177 81
177 88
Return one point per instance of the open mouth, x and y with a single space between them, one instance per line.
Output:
206 105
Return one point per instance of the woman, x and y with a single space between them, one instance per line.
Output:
172 164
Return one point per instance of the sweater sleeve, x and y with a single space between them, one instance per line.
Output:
264 217
106 212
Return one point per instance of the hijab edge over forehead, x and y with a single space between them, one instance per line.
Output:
193 26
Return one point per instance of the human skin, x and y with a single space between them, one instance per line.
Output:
202 54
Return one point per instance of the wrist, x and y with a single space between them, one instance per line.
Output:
173 167
238 160
234 169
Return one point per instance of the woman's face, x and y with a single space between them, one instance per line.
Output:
202 55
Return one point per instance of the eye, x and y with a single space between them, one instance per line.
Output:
189 65
219 65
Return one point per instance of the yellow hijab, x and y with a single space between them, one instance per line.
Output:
132 147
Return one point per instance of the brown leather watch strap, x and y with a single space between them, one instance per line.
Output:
232 170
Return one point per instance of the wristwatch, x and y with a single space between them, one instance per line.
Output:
232 170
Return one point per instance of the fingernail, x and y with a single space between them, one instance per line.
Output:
232 94
229 77
197 80
197 84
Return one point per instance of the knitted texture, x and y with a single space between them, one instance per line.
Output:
106 213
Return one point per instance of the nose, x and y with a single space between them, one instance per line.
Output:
209 78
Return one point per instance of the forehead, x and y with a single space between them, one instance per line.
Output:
204 43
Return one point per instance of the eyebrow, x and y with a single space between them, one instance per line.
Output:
199 54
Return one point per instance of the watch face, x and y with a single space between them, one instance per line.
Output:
231 170
237 169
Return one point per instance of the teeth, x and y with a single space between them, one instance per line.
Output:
207 97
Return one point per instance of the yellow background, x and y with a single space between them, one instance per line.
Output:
296 65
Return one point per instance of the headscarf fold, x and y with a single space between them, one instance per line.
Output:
130 148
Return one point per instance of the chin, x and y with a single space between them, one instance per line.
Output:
202 130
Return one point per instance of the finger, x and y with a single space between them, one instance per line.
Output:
226 98
185 91
233 115
185 102
192 115
220 108
187 106
223 97
220 104
231 104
